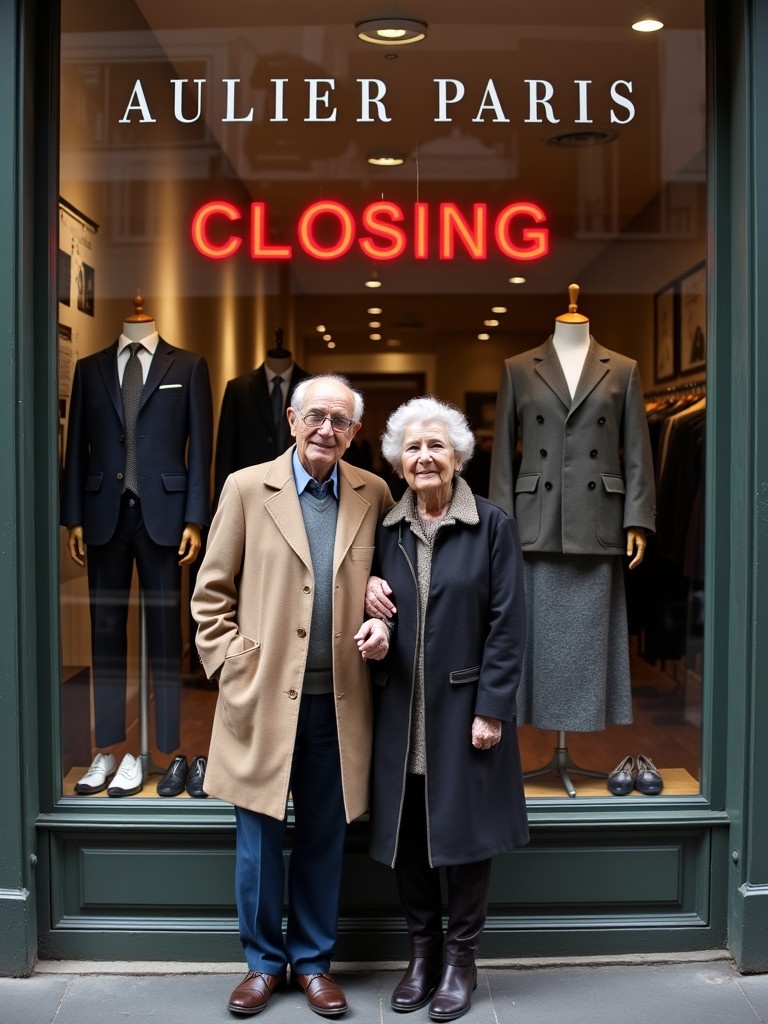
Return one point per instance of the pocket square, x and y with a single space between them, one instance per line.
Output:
164 386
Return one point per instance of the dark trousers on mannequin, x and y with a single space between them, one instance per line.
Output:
420 893
110 570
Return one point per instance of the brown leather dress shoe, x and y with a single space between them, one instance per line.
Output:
323 994
254 992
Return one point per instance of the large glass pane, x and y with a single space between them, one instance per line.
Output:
276 189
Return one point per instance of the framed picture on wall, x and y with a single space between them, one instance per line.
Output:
665 335
693 320
480 407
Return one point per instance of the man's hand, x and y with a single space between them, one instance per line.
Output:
635 545
377 603
373 640
191 542
76 544
486 732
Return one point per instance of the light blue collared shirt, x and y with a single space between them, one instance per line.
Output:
302 477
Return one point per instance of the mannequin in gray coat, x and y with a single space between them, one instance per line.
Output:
582 496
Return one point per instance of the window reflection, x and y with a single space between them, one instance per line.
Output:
543 118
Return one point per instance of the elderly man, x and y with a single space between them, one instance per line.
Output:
279 598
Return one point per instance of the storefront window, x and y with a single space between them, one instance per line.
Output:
243 184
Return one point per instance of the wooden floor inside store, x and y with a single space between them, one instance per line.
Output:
666 728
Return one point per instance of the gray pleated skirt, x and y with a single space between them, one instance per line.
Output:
576 670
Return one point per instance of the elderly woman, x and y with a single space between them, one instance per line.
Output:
447 782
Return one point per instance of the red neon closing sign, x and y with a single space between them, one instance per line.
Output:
328 230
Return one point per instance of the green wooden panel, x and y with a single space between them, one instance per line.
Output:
594 876
146 877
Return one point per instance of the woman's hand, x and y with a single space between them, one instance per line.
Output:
486 732
377 603
373 640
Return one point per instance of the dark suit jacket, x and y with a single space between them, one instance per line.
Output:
174 430
246 429
586 473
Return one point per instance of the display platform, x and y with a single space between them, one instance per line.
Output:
677 782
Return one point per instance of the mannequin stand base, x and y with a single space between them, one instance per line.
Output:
148 766
561 764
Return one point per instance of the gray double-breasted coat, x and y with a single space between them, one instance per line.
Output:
586 472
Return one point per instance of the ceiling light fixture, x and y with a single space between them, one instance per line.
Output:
331 344
483 337
517 280
320 328
498 309
375 310
490 323
648 23
386 157
578 139
327 337
375 337
373 281
392 27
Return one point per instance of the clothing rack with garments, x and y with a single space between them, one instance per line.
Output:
665 596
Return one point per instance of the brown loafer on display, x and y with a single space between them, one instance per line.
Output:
323 994
254 992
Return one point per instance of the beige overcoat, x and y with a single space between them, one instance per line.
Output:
253 606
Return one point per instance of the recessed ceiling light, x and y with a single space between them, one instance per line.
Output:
375 337
374 324
517 280
327 337
386 158
320 328
374 310
648 23
490 323
498 309
373 281
391 27
483 337
331 344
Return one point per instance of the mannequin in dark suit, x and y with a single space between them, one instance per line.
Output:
248 434
158 529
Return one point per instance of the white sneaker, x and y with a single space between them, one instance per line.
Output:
129 778
95 779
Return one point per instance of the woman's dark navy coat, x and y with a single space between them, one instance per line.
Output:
473 652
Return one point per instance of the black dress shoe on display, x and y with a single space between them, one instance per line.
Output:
254 992
172 783
417 985
454 993
196 777
648 779
621 780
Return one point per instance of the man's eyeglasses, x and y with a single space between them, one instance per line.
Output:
339 423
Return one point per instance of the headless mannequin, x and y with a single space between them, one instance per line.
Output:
571 340
138 328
